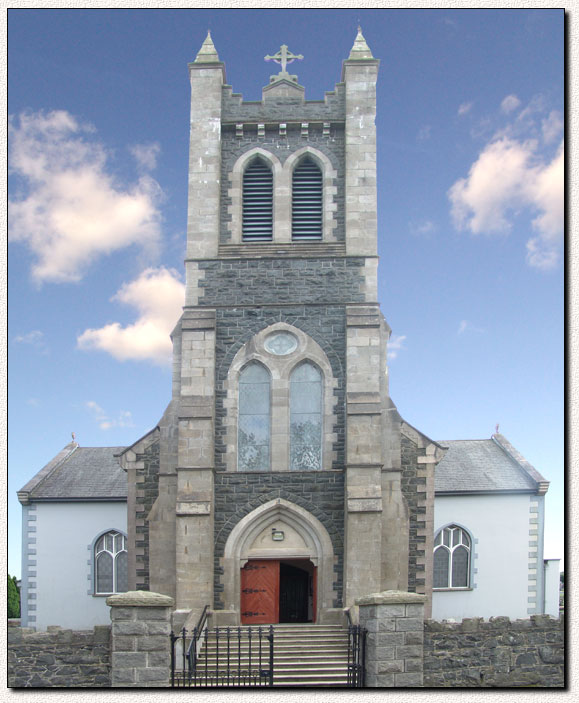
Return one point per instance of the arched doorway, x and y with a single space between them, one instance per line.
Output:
278 566
278 590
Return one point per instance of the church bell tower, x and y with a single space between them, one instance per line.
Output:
281 461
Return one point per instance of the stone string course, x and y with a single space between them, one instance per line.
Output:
59 658
495 653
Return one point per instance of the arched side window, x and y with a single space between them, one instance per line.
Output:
254 419
110 563
257 225
452 550
306 418
307 200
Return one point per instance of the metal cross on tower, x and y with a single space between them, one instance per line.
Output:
283 57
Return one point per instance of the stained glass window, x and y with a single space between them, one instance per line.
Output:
306 418
111 569
254 419
452 558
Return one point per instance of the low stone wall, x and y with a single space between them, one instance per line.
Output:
58 657
481 654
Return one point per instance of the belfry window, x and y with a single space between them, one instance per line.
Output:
306 418
257 202
110 559
307 199
452 547
254 419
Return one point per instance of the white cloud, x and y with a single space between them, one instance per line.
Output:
510 103
124 418
146 155
395 344
510 176
464 109
552 127
158 295
71 210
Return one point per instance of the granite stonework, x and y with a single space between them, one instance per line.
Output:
59 658
282 146
499 652
321 493
236 326
414 492
394 643
147 485
140 637
275 281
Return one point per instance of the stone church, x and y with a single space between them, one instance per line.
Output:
281 483
281 461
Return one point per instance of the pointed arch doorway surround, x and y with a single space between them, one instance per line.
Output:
278 565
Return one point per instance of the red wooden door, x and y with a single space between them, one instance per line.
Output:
260 592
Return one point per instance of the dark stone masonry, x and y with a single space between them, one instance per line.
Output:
147 492
496 653
319 492
59 658
414 491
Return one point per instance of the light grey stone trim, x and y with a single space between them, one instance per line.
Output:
536 574
27 586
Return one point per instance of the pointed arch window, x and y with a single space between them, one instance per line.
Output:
452 549
306 418
111 567
254 418
257 202
307 199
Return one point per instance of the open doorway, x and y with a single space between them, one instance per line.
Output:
278 591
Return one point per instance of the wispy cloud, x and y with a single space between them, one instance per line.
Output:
516 173
158 296
464 108
35 339
124 418
466 326
70 209
510 103
146 155
422 228
424 133
395 344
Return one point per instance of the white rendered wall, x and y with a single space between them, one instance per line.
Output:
552 580
64 530
499 525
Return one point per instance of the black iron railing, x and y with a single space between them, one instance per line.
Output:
222 656
356 656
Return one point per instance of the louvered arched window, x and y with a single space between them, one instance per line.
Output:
452 546
257 202
306 418
307 200
254 418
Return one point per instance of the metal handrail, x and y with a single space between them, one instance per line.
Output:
196 643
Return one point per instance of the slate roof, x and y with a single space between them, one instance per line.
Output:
85 473
483 466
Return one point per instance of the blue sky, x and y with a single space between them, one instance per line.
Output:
470 130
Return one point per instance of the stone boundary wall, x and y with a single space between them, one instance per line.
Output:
59 658
495 653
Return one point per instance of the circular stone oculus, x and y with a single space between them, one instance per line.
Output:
281 343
